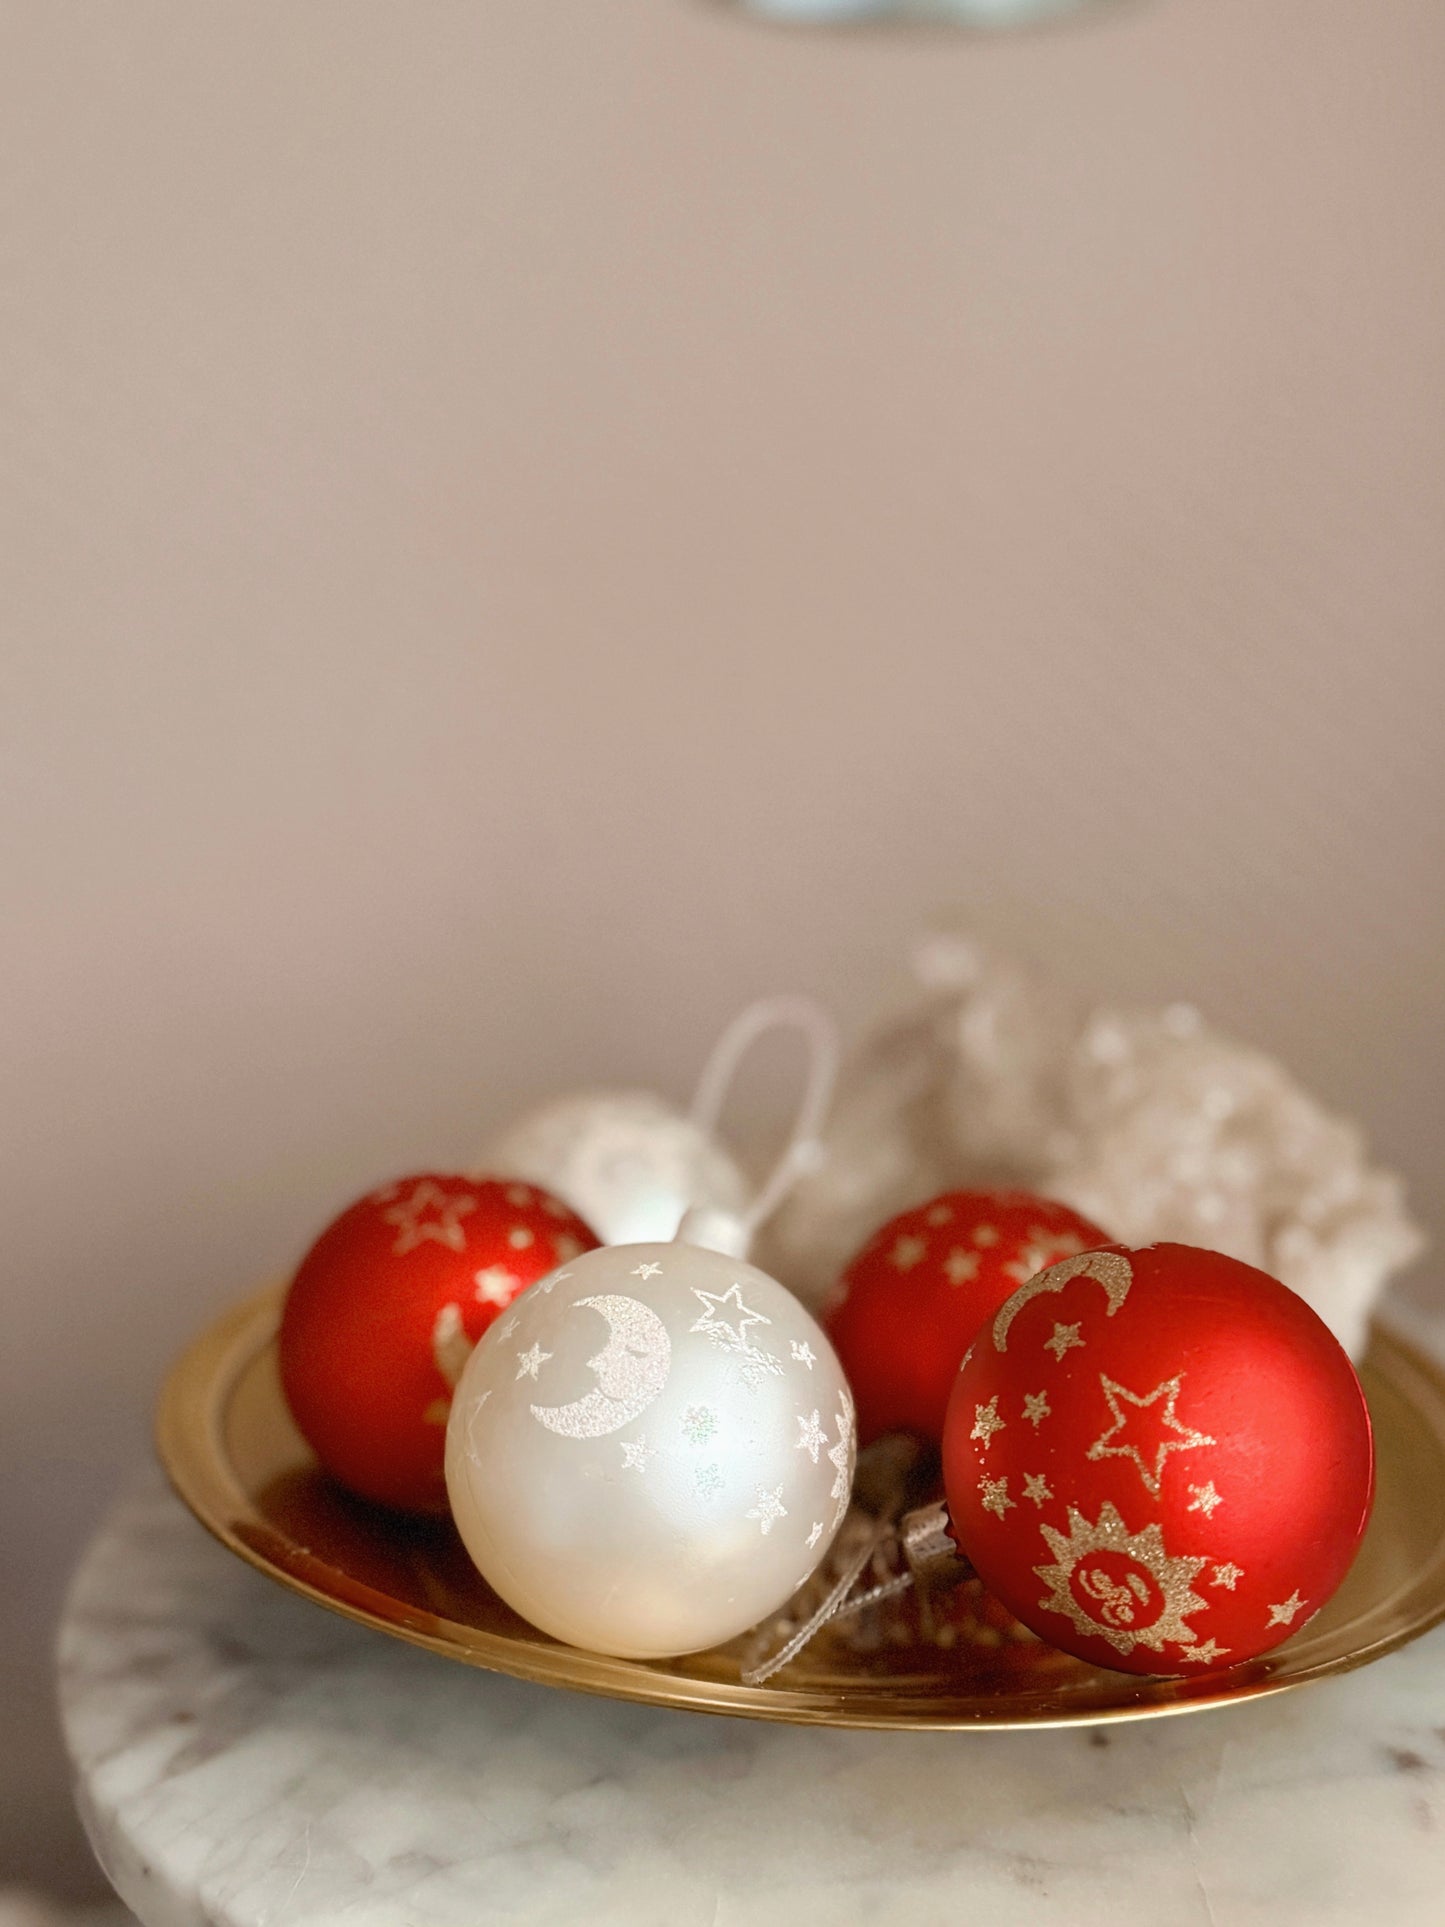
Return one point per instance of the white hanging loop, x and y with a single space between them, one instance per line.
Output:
803 1152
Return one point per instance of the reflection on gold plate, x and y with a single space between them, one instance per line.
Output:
232 1453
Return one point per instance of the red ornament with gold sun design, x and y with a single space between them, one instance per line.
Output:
906 1308
1160 1460
385 1309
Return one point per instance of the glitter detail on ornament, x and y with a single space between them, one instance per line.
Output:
815 1535
1120 1586
1227 1575
986 1422
1065 1338
530 1363
730 1337
804 1354
414 1227
840 1457
496 1285
1188 1440
769 1508
960 1267
994 1493
1035 1488
811 1436
1207 1654
632 1371
450 1346
699 1422
1037 1408
1287 1611
635 1454
708 1480
644 1272
1205 1499
1111 1269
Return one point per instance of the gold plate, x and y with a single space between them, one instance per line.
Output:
234 1456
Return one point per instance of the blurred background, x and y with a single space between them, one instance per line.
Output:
528 522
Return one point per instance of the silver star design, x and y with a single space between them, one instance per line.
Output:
529 1364
816 1534
1037 1407
1288 1611
986 1422
804 1353
497 1286
908 1252
811 1436
960 1267
838 1456
1036 1489
995 1495
1227 1576
1186 1439
1064 1339
414 1225
732 1336
940 1214
648 1271
1205 1499
769 1508
635 1454
1204 1654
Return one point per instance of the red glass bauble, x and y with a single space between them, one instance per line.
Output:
1160 1460
385 1309
908 1305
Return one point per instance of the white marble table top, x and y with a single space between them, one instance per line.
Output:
247 1758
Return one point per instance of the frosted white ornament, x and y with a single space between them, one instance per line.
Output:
631 1164
651 1451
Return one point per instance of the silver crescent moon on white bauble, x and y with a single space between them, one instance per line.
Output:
632 1369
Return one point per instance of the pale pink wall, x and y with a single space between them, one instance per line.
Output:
529 521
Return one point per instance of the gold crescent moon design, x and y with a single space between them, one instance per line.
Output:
632 1369
1111 1268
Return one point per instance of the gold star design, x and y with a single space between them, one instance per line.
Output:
985 1234
1036 1407
519 1237
1064 1339
529 1364
986 1422
1150 1463
1205 1499
1288 1611
908 1252
940 1214
960 1267
1205 1654
995 1495
444 1224
497 1286
450 1348
1227 1576
1036 1489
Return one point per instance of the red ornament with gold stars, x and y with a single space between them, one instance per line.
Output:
1160 1460
906 1308
385 1309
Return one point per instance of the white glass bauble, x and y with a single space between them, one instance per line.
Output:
626 1162
651 1451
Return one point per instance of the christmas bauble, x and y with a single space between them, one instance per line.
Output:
1160 1460
629 1163
385 1308
651 1451
905 1310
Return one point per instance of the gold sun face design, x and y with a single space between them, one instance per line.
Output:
1118 1585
